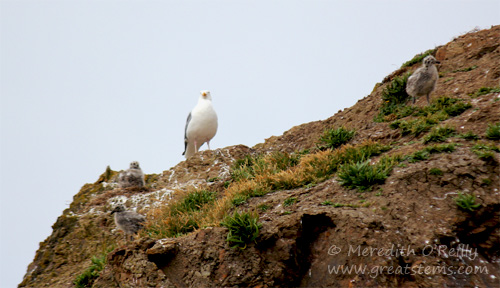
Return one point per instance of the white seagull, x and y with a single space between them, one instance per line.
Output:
201 125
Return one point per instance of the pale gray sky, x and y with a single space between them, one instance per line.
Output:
86 84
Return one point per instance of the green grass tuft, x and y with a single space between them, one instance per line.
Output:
289 201
418 156
469 136
457 109
436 171
465 69
441 148
180 216
250 166
440 109
485 152
239 200
194 201
439 134
394 97
484 91
264 207
87 278
243 229
466 202
363 175
427 151
493 131
334 138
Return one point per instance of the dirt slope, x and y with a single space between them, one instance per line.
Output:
407 232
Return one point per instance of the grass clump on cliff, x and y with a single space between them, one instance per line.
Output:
485 151
469 136
250 166
436 172
181 216
243 229
394 97
193 201
87 278
334 138
363 175
289 201
422 118
484 91
427 151
439 134
493 131
467 202
416 126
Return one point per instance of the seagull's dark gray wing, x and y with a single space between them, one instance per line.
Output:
185 133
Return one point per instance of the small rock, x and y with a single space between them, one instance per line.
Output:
163 246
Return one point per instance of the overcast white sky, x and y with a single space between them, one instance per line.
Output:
86 84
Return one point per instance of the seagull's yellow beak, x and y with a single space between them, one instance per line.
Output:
204 94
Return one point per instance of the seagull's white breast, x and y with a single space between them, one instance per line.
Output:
203 124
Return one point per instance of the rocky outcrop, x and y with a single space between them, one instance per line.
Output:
408 232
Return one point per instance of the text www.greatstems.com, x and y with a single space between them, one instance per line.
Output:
399 270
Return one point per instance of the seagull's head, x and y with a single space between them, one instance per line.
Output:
134 165
205 94
430 60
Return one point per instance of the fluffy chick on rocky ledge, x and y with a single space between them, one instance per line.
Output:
132 177
128 221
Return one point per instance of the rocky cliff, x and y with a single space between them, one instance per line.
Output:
380 194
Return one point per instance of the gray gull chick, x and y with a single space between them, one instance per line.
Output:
132 177
423 80
128 221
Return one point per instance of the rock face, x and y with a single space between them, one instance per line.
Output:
406 232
